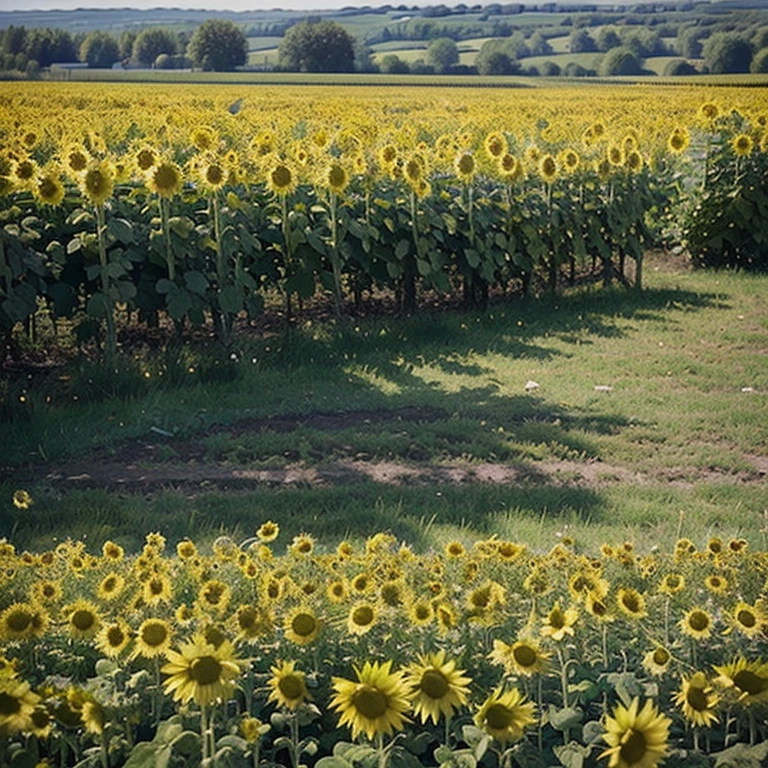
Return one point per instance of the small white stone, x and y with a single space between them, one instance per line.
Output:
603 388
531 385
748 389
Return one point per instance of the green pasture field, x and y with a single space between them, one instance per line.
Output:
650 419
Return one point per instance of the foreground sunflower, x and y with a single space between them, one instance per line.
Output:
374 704
437 686
200 671
636 739
697 700
747 679
17 703
505 715
288 684
524 657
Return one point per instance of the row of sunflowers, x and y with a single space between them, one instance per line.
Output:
485 653
127 200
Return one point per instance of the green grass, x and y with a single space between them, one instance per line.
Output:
676 431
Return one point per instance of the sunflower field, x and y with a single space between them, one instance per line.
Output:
483 654
126 202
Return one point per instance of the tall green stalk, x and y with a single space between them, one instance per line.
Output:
335 258
111 340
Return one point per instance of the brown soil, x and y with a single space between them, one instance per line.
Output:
143 466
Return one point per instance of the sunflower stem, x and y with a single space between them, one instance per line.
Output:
164 221
666 623
605 646
695 739
335 262
204 732
104 750
752 726
156 699
540 709
294 723
382 753
101 230
287 246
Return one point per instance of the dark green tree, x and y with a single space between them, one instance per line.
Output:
127 39
538 45
392 64
759 64
607 38
620 61
100 50
580 41
150 43
442 54
689 42
219 45
495 63
727 53
677 67
317 46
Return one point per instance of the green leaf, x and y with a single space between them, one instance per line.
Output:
164 285
195 281
401 250
22 758
423 266
122 230
563 719
571 755
742 756
97 305
473 257
178 303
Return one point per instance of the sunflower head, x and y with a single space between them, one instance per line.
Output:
505 715
437 687
636 737
465 166
166 179
289 686
98 182
302 626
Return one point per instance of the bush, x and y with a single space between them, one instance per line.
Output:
726 53
760 62
620 61
678 67
392 64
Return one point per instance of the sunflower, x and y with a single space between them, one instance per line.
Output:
302 626
559 623
213 175
83 619
203 138
742 145
111 586
145 159
672 583
302 545
547 167
634 161
112 551
24 172
569 160
157 589
16 621
615 155
697 700
186 549
335 178
455 550
373 704
46 592
75 159
421 613
114 638
748 680
437 687
214 595
636 739
678 140
200 671
465 167
49 190
17 703
337 590
362 616
281 180
251 622
524 657
747 619
268 532
388 156
97 182
657 661
696 623
505 715
40 722
153 638
495 145
597 607
631 603
289 686
165 179
414 169
716 583
709 111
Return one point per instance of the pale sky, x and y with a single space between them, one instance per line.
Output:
220 5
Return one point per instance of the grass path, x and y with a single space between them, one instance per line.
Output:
603 412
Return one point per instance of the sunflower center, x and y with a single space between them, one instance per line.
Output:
47 188
499 717
524 655
291 686
362 616
697 699
18 621
557 619
246 618
661 656
337 176
370 702
156 587
633 750
205 670
434 684
746 618
154 634
749 682
631 603
95 182
214 174
166 177
83 620
9 705
698 621
145 159
304 624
